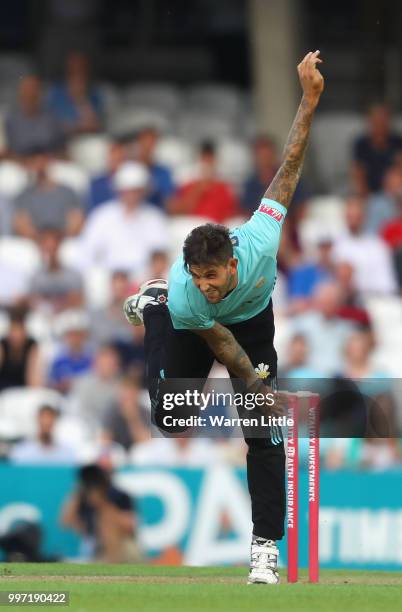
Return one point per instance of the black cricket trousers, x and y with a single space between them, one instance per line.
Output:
183 354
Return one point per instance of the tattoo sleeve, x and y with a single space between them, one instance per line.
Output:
226 348
285 181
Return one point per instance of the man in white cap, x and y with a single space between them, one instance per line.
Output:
122 234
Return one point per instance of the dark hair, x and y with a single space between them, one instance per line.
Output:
93 476
207 147
207 244
17 314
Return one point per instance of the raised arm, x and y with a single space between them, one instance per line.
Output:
285 181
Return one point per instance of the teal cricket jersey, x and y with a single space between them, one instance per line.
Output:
255 245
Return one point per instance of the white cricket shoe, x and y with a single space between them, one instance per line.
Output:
264 560
153 292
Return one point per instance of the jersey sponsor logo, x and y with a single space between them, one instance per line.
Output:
272 212
260 282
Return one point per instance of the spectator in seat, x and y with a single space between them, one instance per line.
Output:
54 287
161 186
374 151
266 164
125 421
44 448
324 331
122 234
76 102
101 188
352 304
30 125
45 204
19 354
103 516
93 393
75 356
304 278
207 196
382 207
368 254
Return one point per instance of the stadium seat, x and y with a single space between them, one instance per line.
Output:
69 253
161 97
97 287
71 175
234 161
215 98
20 253
133 118
174 153
332 137
19 407
386 316
324 219
196 126
179 228
90 152
13 179
111 98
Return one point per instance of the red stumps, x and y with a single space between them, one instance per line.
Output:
313 486
293 489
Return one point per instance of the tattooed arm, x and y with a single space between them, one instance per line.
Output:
229 352
285 181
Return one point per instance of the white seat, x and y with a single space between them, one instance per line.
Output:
111 97
332 137
20 253
157 96
174 153
97 287
19 407
386 317
196 127
234 161
324 218
133 118
13 179
179 228
90 152
71 175
215 98
70 253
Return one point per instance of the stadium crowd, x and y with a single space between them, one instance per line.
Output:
76 240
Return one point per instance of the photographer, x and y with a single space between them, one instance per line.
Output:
103 516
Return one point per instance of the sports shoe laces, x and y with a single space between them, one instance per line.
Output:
264 554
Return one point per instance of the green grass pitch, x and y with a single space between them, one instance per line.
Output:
148 588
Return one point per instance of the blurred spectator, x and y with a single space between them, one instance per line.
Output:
352 306
382 206
74 358
323 330
45 204
368 254
19 355
297 356
380 453
391 232
55 288
103 516
109 324
101 188
266 164
93 393
125 421
304 278
122 234
158 266
375 151
207 196
44 448
358 350
29 124
77 103
161 186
